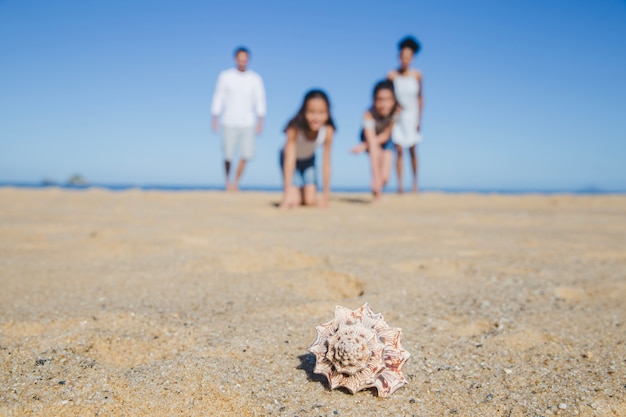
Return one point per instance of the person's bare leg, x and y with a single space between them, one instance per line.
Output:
413 153
240 168
385 168
227 169
309 194
295 196
399 168
376 185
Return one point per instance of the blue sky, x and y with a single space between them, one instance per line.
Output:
518 94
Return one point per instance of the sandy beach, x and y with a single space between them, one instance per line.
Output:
204 303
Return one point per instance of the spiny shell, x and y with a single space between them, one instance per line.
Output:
358 350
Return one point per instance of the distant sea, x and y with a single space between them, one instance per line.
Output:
173 188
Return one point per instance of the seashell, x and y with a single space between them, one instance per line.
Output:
358 350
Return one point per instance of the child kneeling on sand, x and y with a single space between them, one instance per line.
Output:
376 134
311 127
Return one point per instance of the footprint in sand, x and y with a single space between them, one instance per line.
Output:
431 267
569 293
524 340
467 328
242 261
326 285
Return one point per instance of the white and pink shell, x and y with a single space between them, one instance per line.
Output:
358 350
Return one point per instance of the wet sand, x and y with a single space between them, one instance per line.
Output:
151 303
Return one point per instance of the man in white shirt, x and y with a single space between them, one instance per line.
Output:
240 101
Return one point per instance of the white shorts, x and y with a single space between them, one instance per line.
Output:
238 137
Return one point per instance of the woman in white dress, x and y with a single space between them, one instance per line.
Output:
406 132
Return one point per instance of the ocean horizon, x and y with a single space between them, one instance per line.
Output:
589 190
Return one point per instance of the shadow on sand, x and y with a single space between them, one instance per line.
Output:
339 199
353 200
307 364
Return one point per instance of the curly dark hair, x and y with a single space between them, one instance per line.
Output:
299 120
411 43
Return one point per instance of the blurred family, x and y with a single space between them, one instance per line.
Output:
391 123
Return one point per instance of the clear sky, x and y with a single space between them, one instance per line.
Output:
518 94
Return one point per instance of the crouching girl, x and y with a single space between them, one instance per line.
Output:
376 134
310 128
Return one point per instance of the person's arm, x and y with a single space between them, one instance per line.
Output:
326 167
374 148
218 102
289 166
420 101
381 138
260 105
385 135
